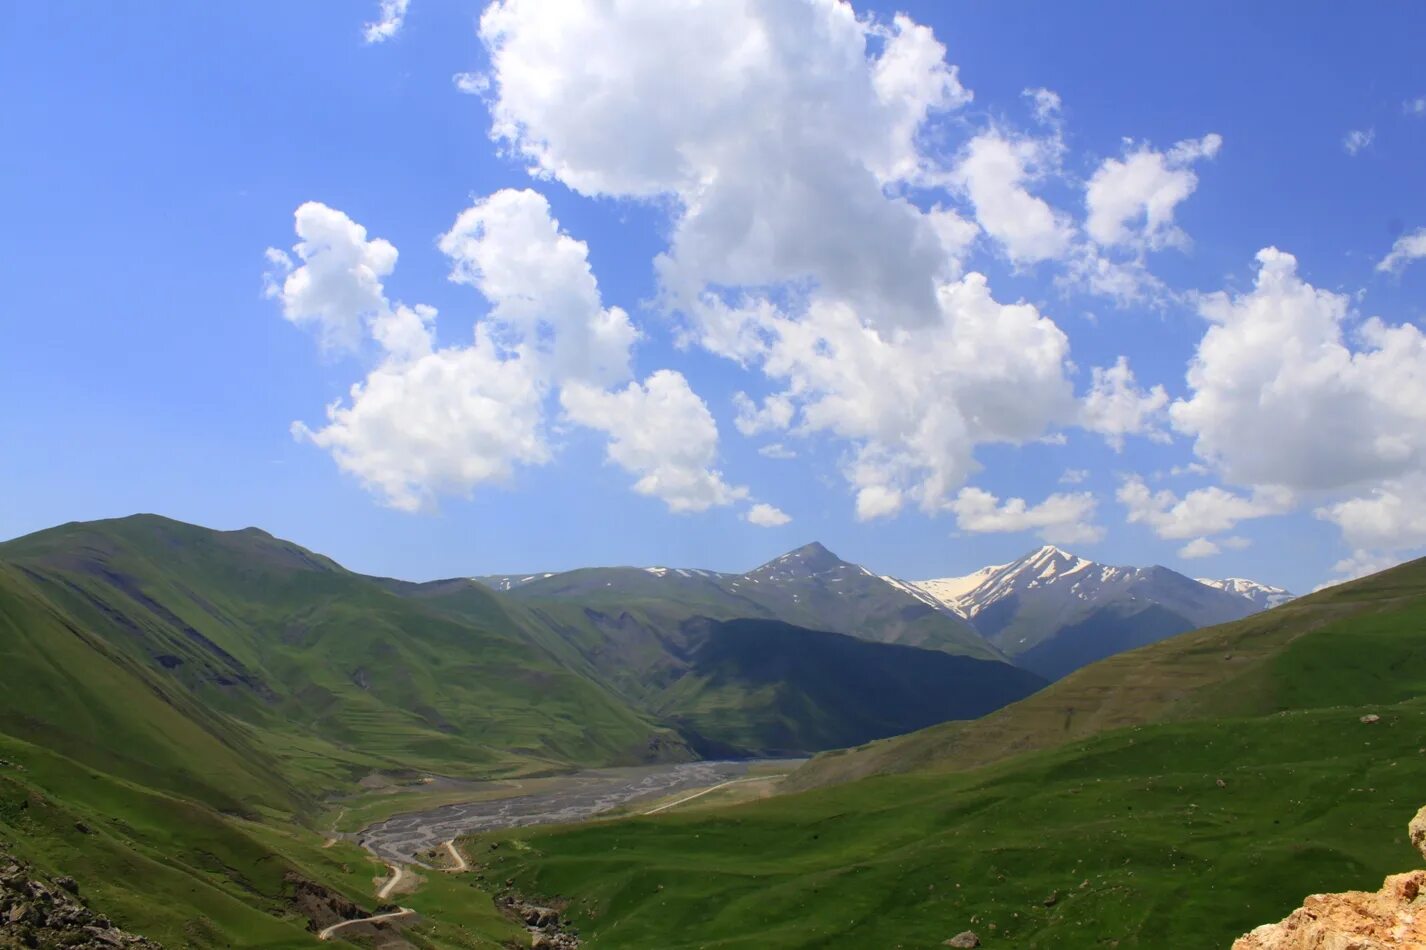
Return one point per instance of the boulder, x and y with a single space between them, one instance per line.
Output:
1416 831
966 938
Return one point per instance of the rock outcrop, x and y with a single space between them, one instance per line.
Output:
35 912
548 931
1393 917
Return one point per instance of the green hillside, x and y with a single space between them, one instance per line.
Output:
307 672
179 705
1351 643
1175 796
770 688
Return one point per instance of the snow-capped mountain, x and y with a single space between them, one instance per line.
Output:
1050 611
1265 596
810 587
1053 612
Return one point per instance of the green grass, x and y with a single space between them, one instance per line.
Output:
1313 801
1361 641
204 701
1101 790
230 666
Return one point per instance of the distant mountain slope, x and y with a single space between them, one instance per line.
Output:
1358 643
1264 596
1053 612
769 688
810 587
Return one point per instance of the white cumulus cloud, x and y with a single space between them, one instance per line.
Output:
779 129
775 413
995 172
332 281
1407 248
1279 396
390 18
543 295
1199 547
1059 519
662 432
766 516
1115 407
1131 201
429 421
1203 511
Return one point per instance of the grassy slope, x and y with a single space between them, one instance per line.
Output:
909 860
775 689
267 647
1313 800
188 695
1257 665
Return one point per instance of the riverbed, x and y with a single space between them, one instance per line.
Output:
572 797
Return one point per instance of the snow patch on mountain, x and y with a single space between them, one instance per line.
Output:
1049 566
1265 596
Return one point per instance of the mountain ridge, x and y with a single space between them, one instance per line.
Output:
1053 612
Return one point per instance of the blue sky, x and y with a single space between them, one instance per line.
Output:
155 355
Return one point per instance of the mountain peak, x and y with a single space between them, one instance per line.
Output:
813 549
810 559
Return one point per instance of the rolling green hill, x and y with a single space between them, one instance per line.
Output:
312 673
1174 796
1351 643
176 704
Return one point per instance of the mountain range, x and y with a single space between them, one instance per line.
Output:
1050 611
1172 796
1053 612
177 706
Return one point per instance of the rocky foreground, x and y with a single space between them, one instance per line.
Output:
39 912
1392 917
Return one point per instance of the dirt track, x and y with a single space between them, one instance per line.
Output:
579 795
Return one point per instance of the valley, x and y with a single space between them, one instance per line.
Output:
409 837
290 749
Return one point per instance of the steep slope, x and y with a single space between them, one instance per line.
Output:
1359 642
310 672
810 587
751 686
1264 596
1174 796
769 688
1053 612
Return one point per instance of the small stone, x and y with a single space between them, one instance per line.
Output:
82 828
1220 783
1052 900
966 938
1370 718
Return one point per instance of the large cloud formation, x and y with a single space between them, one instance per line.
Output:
1290 396
786 139
430 420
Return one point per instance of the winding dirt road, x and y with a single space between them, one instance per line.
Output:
326 933
460 858
397 873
